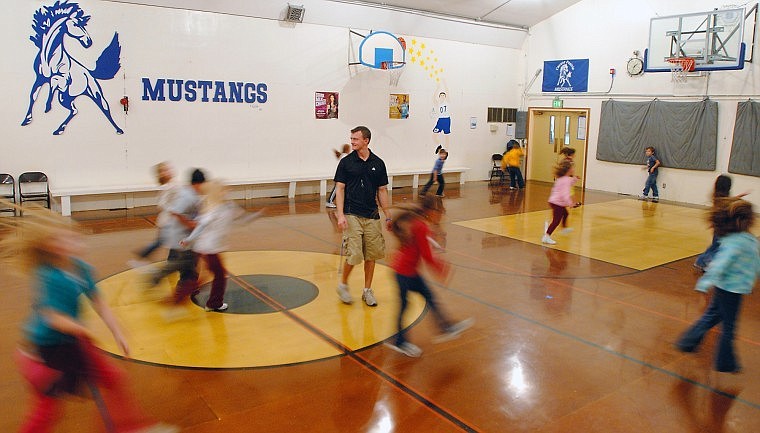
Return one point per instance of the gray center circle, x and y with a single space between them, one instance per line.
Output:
261 293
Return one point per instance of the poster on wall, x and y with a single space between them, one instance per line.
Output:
565 75
398 106
326 105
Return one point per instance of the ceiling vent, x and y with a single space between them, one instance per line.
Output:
294 14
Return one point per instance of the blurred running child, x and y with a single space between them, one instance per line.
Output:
411 229
567 154
437 173
57 355
165 176
340 154
209 238
721 191
732 273
560 198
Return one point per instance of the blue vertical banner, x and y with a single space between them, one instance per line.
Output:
565 75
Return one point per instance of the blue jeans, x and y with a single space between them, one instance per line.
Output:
515 177
724 309
651 183
433 178
706 257
416 284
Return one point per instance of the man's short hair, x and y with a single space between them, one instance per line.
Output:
365 132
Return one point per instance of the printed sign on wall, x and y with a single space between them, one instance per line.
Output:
326 105
565 75
398 106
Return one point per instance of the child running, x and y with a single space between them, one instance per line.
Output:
721 191
560 198
209 238
57 355
437 173
165 176
732 274
411 229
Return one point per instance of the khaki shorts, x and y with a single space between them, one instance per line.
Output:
364 240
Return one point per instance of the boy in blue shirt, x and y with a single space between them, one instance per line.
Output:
437 174
652 164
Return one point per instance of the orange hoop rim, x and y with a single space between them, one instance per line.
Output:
687 63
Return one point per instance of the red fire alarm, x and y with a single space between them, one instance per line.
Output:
125 103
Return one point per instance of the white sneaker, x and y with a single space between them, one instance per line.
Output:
331 205
642 197
407 349
223 307
369 297
566 230
454 331
343 294
548 240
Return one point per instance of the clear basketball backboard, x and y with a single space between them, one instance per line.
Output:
714 39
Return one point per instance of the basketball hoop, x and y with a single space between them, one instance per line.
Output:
680 67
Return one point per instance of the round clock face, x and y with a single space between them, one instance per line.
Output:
635 66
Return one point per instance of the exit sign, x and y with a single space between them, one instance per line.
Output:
557 103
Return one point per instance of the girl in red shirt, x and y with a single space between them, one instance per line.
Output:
412 230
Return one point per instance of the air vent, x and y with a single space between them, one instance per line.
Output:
294 14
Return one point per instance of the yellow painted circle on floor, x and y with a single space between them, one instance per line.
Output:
195 338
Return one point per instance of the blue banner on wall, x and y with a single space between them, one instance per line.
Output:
565 75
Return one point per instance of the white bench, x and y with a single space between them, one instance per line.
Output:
65 194
415 173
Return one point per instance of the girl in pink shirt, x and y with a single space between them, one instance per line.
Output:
560 199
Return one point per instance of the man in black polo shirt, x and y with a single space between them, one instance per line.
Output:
361 182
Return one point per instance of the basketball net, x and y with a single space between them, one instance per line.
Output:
680 67
394 74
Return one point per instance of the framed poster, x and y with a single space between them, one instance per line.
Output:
398 107
326 105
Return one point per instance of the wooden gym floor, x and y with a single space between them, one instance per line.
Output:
572 338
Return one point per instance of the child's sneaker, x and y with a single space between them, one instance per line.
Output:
655 199
642 197
221 308
454 331
407 349
548 240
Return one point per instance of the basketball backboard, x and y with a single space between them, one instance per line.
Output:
715 39
379 50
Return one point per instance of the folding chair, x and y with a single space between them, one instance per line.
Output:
8 191
33 186
496 171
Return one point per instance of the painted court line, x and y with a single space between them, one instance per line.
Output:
365 363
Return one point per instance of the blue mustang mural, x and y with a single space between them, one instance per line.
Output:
66 77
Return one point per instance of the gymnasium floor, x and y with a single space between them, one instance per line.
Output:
573 338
